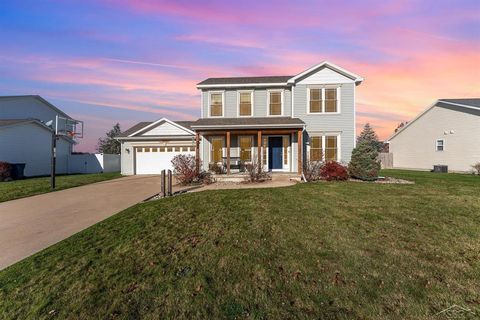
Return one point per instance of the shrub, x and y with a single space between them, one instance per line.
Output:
311 170
476 168
364 164
184 167
256 173
216 168
5 171
333 170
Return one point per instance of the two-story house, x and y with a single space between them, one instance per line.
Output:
278 121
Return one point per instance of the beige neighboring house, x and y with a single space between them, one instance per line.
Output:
446 133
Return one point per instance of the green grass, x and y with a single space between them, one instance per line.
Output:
322 250
32 186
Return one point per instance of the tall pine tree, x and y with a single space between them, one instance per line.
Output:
109 144
364 163
369 135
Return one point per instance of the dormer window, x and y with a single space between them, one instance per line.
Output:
216 104
323 100
275 103
245 102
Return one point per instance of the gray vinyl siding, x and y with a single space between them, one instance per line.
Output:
343 123
260 108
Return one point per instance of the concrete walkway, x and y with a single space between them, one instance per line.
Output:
31 224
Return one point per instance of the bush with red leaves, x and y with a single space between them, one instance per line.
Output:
5 170
184 168
333 170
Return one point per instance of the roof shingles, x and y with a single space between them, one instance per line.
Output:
245 80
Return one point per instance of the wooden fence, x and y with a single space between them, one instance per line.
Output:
386 160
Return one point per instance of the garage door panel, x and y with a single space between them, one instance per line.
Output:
157 158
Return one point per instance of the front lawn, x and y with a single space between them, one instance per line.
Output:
318 251
32 186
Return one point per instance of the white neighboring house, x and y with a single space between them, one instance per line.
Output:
24 137
446 133
149 147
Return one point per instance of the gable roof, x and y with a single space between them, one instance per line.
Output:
4 123
470 103
274 80
141 126
39 98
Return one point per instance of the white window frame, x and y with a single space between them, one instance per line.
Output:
238 102
323 99
281 102
437 145
327 134
210 104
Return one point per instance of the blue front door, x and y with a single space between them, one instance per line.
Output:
275 149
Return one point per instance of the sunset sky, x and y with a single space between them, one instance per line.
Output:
104 61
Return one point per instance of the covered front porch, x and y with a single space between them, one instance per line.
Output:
275 150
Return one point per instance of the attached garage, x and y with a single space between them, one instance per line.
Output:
154 159
149 147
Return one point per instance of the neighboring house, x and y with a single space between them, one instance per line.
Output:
263 119
24 137
446 133
149 147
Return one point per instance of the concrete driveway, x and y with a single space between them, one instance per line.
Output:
31 224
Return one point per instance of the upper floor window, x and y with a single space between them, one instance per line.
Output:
275 103
216 104
440 144
245 103
323 100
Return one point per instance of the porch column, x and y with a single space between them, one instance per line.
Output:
197 152
259 150
228 152
300 151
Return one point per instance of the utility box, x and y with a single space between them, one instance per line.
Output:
440 168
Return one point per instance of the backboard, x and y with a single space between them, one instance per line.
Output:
68 127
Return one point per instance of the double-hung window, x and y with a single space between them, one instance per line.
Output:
246 144
245 103
275 103
216 104
323 100
324 148
440 145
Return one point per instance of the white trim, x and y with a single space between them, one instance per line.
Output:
282 93
236 85
201 104
322 88
252 97
354 118
459 105
210 106
159 121
436 145
253 126
332 66
292 93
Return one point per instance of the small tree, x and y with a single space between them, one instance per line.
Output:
369 135
476 168
364 164
109 144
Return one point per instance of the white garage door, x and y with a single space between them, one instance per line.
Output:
152 160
